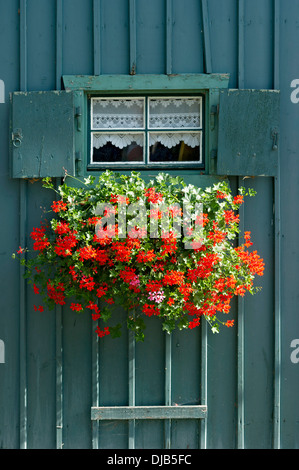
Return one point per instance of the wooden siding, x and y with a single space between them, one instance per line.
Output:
54 369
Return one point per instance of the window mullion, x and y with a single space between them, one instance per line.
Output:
146 146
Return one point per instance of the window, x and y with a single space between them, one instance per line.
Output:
146 130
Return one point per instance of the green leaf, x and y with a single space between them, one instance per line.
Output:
105 314
115 331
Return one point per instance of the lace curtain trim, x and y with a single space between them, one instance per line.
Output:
117 121
116 102
174 120
118 140
129 121
168 139
165 102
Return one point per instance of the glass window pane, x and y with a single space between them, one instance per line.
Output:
117 148
174 113
175 147
117 113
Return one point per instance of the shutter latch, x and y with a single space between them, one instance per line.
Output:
17 138
274 135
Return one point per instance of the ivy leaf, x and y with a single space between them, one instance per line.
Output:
105 314
168 325
115 331
183 323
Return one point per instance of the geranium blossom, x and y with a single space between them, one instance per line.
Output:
58 206
178 277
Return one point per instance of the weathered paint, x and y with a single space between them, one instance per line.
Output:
248 143
146 82
55 370
148 412
42 134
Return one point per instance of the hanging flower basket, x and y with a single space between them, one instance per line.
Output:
163 249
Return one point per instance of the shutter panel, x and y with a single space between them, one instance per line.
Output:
248 132
42 134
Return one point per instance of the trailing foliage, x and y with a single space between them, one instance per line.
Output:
163 249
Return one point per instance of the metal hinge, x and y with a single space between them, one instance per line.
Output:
214 154
78 161
78 116
213 116
213 158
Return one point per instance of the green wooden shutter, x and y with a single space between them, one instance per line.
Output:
43 133
248 132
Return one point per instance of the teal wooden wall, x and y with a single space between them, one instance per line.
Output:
53 370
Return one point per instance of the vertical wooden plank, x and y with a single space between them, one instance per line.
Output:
289 195
150 383
259 310
132 16
59 373
259 44
23 45
113 382
41 47
115 37
95 385
132 386
186 371
223 33
10 269
151 36
41 343
77 373
58 309
241 44
206 34
97 37
59 43
187 39
204 384
241 349
276 40
277 203
23 242
94 337
240 325
23 318
78 35
168 385
169 21
59 379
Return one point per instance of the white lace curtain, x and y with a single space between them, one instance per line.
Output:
129 113
114 113
171 139
168 139
118 140
173 113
